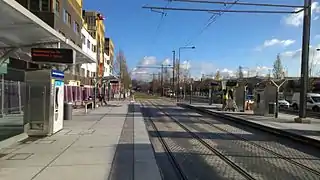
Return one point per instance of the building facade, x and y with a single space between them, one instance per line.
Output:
109 49
96 29
65 16
89 45
62 15
107 67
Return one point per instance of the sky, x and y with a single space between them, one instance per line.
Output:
231 40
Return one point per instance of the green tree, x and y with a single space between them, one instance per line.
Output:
277 68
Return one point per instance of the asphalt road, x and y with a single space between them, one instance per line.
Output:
258 154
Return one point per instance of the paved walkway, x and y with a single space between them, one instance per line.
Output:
285 122
88 148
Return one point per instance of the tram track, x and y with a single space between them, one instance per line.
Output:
174 162
293 161
180 174
260 146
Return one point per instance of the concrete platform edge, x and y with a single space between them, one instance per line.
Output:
145 165
280 132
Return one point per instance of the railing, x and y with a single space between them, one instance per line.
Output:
12 97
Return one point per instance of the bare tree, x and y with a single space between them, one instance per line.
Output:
240 72
121 69
277 68
217 76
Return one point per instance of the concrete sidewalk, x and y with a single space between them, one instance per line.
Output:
84 150
284 125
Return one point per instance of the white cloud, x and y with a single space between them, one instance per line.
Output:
297 19
185 65
227 73
166 62
314 57
148 60
274 42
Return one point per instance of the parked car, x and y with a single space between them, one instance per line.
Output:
283 103
313 101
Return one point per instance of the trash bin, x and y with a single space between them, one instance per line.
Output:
272 108
67 112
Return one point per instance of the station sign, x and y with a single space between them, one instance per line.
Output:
52 55
57 74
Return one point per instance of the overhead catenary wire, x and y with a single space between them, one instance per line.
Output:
217 13
163 14
239 3
211 20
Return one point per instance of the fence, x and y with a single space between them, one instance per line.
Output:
12 97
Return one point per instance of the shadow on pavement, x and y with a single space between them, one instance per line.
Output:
123 161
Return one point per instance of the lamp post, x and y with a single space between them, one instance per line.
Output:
178 69
173 72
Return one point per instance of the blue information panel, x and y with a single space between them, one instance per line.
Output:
57 74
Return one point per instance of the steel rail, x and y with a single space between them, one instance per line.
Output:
215 151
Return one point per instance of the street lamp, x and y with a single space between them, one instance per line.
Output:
178 70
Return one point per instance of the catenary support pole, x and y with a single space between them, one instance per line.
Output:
305 58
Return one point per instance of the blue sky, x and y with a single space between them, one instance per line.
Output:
250 40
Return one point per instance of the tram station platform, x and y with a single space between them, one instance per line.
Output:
283 125
109 142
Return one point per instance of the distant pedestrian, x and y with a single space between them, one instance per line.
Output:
224 98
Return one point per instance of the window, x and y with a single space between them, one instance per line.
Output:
66 17
44 4
35 5
108 62
93 34
69 19
83 39
76 27
57 6
94 48
88 44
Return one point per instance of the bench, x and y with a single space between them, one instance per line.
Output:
86 103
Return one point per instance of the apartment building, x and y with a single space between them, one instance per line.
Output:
109 51
107 67
96 29
65 16
89 46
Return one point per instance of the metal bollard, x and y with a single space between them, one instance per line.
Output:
67 111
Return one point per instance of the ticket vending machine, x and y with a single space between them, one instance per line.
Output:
43 111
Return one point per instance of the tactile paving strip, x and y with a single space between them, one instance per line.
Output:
20 156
